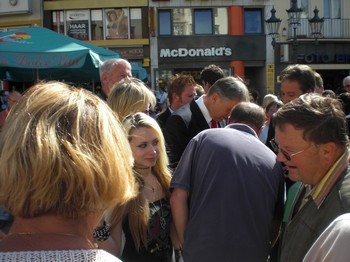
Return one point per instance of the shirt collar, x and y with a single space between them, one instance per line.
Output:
321 190
243 128
203 108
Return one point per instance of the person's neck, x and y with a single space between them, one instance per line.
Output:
47 232
144 171
55 223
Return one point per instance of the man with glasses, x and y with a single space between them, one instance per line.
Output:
311 140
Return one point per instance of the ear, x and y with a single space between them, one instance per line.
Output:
329 151
176 97
105 77
214 97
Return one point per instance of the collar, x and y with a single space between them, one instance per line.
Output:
204 110
243 128
321 190
171 111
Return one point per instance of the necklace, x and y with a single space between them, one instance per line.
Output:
27 234
161 214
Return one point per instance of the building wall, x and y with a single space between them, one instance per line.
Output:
248 59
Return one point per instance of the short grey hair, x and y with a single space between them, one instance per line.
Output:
109 64
345 79
230 88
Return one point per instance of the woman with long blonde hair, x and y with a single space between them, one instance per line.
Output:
146 220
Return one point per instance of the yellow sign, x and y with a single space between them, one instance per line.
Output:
270 78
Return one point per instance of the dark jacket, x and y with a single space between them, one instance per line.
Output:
181 127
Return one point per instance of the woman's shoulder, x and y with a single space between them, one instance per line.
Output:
59 255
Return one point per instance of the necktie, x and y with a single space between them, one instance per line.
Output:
214 124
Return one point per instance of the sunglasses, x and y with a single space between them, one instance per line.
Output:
276 148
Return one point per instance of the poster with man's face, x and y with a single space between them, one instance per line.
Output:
117 23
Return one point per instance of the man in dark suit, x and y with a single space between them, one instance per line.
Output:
181 91
201 114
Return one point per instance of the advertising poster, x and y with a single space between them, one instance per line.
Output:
117 23
78 24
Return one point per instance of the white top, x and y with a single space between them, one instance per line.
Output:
333 243
58 255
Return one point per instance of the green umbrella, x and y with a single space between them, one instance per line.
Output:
33 53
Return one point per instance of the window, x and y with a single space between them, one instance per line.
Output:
304 4
187 21
77 24
135 23
58 21
182 21
164 21
96 25
331 8
252 21
221 21
203 21
117 23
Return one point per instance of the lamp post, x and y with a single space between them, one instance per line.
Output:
294 14
273 24
316 25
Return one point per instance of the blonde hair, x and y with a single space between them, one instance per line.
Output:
64 152
137 209
130 96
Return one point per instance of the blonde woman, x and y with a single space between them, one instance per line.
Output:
131 96
147 218
64 160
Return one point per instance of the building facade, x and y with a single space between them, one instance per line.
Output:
189 35
329 55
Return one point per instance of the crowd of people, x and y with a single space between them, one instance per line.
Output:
211 176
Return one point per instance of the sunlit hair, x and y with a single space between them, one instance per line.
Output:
137 210
178 84
230 88
303 74
130 96
321 118
109 64
64 152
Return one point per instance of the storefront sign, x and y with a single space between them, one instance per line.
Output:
211 49
324 59
199 52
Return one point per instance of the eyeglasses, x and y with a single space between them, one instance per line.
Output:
276 148
347 86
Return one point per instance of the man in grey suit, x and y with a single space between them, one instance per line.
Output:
203 113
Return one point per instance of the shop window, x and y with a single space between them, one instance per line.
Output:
203 21
58 21
253 21
135 23
220 21
164 22
77 24
96 25
117 23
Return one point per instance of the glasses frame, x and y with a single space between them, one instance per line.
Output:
276 148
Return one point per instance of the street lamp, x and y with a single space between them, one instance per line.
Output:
294 14
316 25
273 25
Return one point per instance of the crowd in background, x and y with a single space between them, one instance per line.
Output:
191 172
